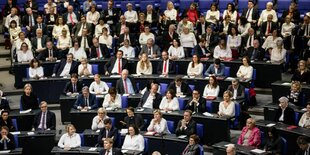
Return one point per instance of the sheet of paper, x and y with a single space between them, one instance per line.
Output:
124 151
141 109
208 114
259 151
92 149
124 131
15 133
182 136
116 76
286 84
30 133
25 111
5 152
270 124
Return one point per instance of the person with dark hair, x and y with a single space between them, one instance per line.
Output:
78 28
133 119
234 41
232 12
211 38
111 16
176 51
74 86
6 120
193 146
4 104
222 51
58 27
273 144
292 12
92 15
133 140
170 102
195 67
86 101
180 87
196 103
35 70
14 30
116 65
201 26
201 50
211 90
243 26
166 66
216 69
151 98
45 119
186 126
213 15
65 66
236 88
304 145
112 99
109 131
6 139
78 52
245 71
108 147
24 53
225 26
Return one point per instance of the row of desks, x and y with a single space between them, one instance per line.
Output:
266 73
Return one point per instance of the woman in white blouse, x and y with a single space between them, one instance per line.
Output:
222 51
227 107
24 54
112 99
158 123
131 15
305 118
243 26
195 67
269 10
35 70
212 89
98 120
128 51
176 51
84 69
278 54
105 38
245 71
188 41
58 27
287 27
144 36
213 15
92 15
234 42
64 42
77 51
271 41
70 139
171 13
21 39
100 26
98 87
133 140
231 11
144 66
170 102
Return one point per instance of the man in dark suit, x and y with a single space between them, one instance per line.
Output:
151 98
86 101
45 119
284 113
293 43
186 126
251 14
50 53
304 145
268 27
211 38
108 147
110 16
85 41
116 65
78 28
74 86
109 131
165 66
6 139
126 84
151 49
236 89
201 50
133 119
202 25
293 12
66 66
40 25
216 69
304 31
39 42
180 87
120 27
255 52
150 12
4 104
98 50
70 18
248 40
197 104
29 20
6 120
168 37
127 35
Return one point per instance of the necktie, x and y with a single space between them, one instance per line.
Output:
269 27
40 27
253 54
248 14
71 19
74 88
250 41
84 42
125 86
43 121
50 53
107 153
86 102
30 21
149 51
5 146
119 66
165 66
98 54
107 134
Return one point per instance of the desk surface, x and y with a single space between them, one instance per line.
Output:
84 150
239 148
15 151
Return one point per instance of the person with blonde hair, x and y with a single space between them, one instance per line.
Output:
278 53
70 139
158 124
227 106
302 74
84 69
144 66
29 100
97 122
295 96
171 12
250 135
98 87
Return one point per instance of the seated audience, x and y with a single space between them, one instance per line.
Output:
234 42
133 119
227 106
151 49
186 126
108 147
231 149
213 15
180 87
71 139
185 23
86 101
66 66
6 120
302 74
171 13
268 27
158 124
295 96
6 139
151 98
250 134
109 131
271 41
133 140
144 66
50 53
116 65
305 118
149 85
237 89
84 69
35 69
98 50
112 99
97 122
24 54
278 54
304 145
196 103
4 104
126 84
273 142
74 86
129 51
58 27
201 49
100 26
255 52
245 71
169 102
45 119
232 12
77 51
188 41
193 146
284 113
146 37
166 66
212 89
211 38
195 67
216 69
105 39
222 51
64 43
98 87
29 100
268 11
176 51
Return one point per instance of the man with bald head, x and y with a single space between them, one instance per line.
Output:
151 49
231 149
255 52
126 84
120 26
248 40
110 15
29 21
268 27
70 18
39 42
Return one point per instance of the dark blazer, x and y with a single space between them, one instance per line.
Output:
296 16
115 151
34 6
156 50
154 18
89 40
260 53
103 49
136 120
264 29
198 51
8 123
25 20
133 40
211 70
273 145
110 64
192 150
69 87
93 102
58 68
305 77
289 116
214 39
221 27
34 42
78 26
48 19
167 40
112 133
114 17
44 54
29 102
199 27
245 39
43 27
201 107
255 14
120 87
10 145
4 104
184 88
302 152
161 66
240 90
118 29
156 100
191 128
50 120
297 43
65 17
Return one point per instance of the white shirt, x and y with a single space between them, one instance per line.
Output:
278 55
248 43
33 72
64 42
287 29
148 17
78 54
181 25
18 43
144 37
81 69
131 16
246 71
107 41
8 20
117 102
98 29
218 52
176 52
304 120
47 8
66 69
188 40
234 41
198 69
115 68
233 16
162 127
171 14
146 71
243 29
281 118
178 89
264 15
71 141
92 18
249 15
135 142
98 124
215 16
74 18
84 44
270 42
208 91
173 104
57 30
102 87
149 101
39 43
229 111
24 57
128 52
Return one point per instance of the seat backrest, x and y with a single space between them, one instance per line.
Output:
163 88
181 103
204 5
27 73
247 95
14 122
170 125
94 69
124 101
237 109
109 84
254 75
209 106
296 118
113 120
201 150
284 146
199 130
146 145
82 138
227 71
192 87
16 140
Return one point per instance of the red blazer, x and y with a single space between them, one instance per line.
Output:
254 138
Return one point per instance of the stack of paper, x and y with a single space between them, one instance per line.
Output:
25 111
207 114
